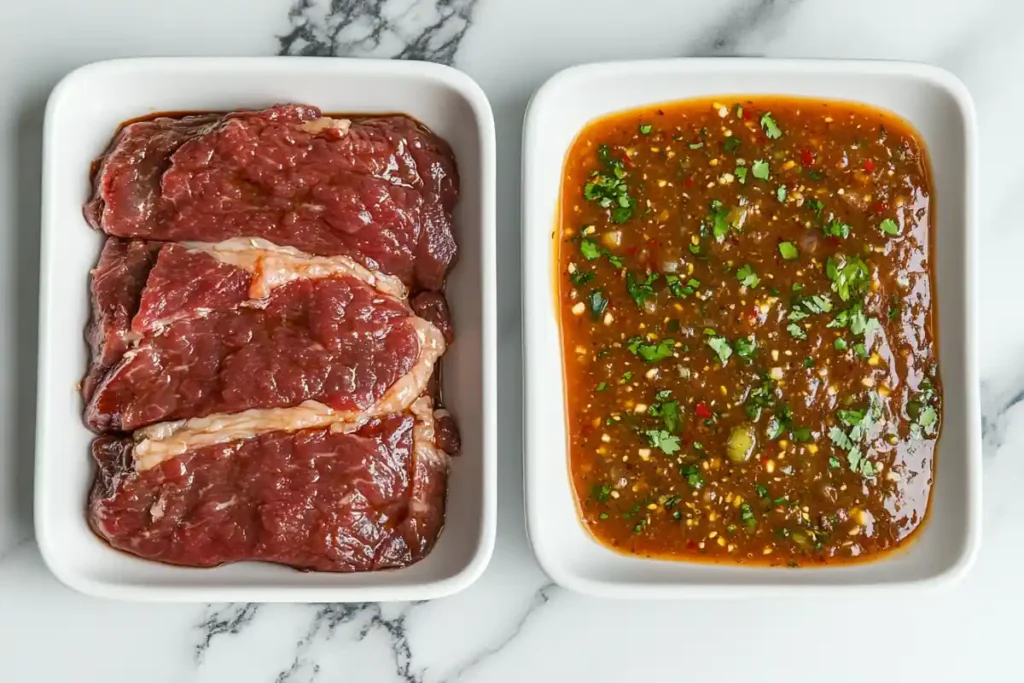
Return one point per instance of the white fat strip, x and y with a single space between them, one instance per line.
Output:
323 123
426 455
274 265
165 440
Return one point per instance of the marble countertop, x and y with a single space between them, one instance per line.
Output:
514 624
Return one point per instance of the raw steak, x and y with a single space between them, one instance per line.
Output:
117 282
312 499
248 325
380 190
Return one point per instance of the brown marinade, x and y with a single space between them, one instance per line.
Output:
745 294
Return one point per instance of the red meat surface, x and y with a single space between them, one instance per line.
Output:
117 282
312 499
205 347
381 191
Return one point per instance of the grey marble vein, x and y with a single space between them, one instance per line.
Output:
429 30
371 617
540 598
229 619
751 18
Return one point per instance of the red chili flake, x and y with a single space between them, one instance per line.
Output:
691 545
652 242
702 411
869 165
806 157
627 161
880 207
688 182
747 115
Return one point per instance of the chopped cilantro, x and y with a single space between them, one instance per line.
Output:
597 302
816 205
761 490
640 291
739 111
760 169
589 249
579 277
834 462
718 219
836 228
650 352
801 434
660 438
626 376
601 386
639 526
720 345
747 516
731 144
616 261
889 227
696 145
745 347
860 350
771 129
788 251
609 189
741 174
849 276
601 492
808 362
693 476
780 193
840 344
796 331
646 128
747 276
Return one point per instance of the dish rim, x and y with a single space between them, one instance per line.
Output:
537 238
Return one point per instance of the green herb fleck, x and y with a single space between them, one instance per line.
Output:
597 302
720 345
731 144
836 228
889 227
780 193
646 128
788 251
579 277
640 291
771 129
650 352
589 249
747 276
760 169
693 476
660 438
796 331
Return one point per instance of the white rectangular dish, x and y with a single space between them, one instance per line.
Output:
940 108
82 114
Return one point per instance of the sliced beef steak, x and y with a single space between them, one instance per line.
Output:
321 329
313 499
116 287
380 190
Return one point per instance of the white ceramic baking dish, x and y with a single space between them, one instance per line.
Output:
939 106
81 117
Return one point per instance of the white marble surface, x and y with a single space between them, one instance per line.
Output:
513 625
